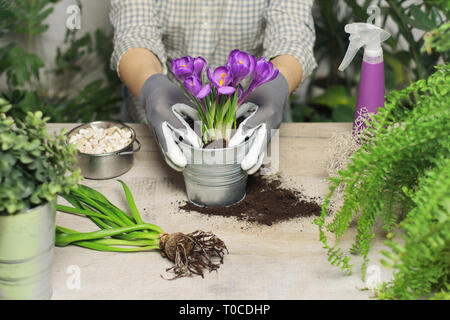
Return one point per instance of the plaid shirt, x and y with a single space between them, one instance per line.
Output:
213 28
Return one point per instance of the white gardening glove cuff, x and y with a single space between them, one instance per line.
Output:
174 155
255 156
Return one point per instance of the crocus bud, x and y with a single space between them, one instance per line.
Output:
183 67
241 65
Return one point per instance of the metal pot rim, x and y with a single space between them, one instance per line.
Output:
133 137
30 210
251 138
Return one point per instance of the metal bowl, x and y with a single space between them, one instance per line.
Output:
106 165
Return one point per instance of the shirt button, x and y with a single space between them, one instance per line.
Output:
205 25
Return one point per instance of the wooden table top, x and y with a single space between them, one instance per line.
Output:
282 261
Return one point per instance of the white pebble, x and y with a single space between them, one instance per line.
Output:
94 140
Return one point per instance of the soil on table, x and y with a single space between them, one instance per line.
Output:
266 202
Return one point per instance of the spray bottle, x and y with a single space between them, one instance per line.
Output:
371 88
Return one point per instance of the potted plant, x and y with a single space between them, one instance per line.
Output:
399 180
34 167
213 175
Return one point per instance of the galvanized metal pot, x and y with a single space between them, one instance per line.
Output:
213 177
26 253
106 165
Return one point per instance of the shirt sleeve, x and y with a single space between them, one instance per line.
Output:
290 30
136 24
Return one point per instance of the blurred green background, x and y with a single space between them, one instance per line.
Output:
328 95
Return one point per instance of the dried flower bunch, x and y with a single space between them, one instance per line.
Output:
218 93
94 140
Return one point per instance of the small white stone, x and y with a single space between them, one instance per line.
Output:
95 140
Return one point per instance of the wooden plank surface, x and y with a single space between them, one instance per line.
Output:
282 261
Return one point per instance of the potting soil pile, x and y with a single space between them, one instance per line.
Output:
267 202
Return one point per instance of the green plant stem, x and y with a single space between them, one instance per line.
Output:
120 242
65 230
130 243
88 213
30 43
95 204
138 235
64 239
100 223
131 236
94 245
104 202
131 203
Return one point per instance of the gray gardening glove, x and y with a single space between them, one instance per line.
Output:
266 105
166 107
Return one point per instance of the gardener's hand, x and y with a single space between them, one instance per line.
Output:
166 106
267 103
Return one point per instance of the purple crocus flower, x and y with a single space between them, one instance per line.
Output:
231 55
183 67
221 78
264 72
194 86
241 65
199 66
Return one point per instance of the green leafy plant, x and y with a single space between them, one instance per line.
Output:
398 177
422 261
28 78
34 165
438 39
426 16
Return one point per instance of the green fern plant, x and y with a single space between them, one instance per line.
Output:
422 262
390 179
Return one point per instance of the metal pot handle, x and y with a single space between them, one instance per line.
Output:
132 151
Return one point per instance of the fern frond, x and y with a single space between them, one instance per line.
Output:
404 141
422 264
